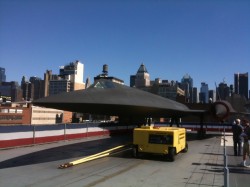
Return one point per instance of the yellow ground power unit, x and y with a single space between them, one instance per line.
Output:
167 141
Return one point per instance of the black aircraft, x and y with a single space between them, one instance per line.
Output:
113 99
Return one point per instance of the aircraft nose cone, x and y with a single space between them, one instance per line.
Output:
220 110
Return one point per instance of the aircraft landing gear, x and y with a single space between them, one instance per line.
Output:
201 133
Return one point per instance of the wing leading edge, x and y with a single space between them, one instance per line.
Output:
109 98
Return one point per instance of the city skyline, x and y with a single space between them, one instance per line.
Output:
208 40
179 81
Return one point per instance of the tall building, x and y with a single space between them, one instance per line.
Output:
166 88
187 86
10 91
203 93
38 85
142 78
212 96
28 89
195 95
59 86
33 88
47 78
132 80
223 91
2 75
70 78
241 84
73 72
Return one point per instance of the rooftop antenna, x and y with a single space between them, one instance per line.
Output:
238 83
217 91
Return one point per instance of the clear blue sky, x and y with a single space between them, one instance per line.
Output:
208 39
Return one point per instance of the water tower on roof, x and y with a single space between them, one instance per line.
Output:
104 75
105 70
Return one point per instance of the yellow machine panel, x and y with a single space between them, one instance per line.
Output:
159 140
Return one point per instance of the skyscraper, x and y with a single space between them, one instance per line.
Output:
47 77
195 95
212 96
142 78
223 91
241 84
204 93
28 89
187 86
2 75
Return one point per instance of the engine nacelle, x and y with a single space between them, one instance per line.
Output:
221 110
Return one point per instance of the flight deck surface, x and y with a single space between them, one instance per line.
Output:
202 165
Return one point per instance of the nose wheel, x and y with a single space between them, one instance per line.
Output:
135 151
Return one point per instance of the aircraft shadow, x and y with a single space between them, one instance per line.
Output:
65 152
